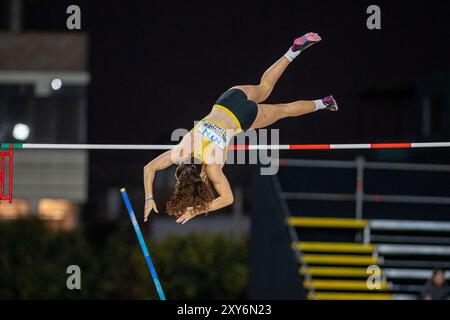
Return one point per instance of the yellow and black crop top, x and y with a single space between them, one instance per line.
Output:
212 132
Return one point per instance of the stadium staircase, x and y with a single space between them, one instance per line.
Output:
337 255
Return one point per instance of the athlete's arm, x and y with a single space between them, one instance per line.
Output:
222 186
161 162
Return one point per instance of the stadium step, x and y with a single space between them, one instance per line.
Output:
349 296
342 223
348 285
340 259
341 247
335 272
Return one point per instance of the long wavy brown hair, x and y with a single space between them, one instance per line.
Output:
190 190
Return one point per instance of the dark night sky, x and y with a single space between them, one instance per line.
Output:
160 65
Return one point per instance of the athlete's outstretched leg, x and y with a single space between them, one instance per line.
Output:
271 113
259 93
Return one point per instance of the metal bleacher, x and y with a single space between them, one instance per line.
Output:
336 254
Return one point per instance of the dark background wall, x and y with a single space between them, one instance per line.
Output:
159 65
273 269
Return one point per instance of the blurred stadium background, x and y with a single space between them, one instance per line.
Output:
137 71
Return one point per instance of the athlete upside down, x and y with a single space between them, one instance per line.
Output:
201 154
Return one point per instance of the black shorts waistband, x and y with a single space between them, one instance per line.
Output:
236 104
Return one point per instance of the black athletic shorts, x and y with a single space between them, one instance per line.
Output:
235 103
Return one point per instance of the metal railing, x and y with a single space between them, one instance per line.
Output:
359 196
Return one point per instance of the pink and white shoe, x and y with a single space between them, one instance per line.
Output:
305 41
330 103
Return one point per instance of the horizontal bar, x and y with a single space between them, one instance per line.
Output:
348 285
349 296
397 296
349 247
97 146
312 196
318 163
409 225
341 164
347 146
406 199
430 144
350 146
309 146
410 273
405 249
6 145
317 222
353 272
318 196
